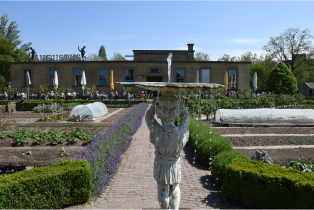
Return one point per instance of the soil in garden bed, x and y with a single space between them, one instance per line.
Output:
46 153
263 130
282 157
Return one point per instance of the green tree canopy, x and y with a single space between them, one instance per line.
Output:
201 57
102 53
226 57
282 79
12 33
117 57
7 54
93 57
293 47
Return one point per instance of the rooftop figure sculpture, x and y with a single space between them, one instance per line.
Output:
169 141
82 52
31 53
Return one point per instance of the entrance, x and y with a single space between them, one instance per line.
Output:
154 79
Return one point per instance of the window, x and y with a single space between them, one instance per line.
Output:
51 76
77 77
146 53
232 79
180 53
175 53
24 76
102 77
154 70
151 53
205 75
166 53
161 53
185 53
156 53
136 53
142 53
179 75
129 75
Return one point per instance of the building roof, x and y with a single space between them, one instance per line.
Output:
308 84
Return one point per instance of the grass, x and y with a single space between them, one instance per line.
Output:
305 106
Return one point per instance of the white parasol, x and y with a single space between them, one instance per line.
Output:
83 81
55 82
255 81
28 83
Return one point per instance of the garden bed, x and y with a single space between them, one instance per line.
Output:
256 138
46 153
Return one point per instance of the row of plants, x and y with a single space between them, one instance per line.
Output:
215 152
104 152
21 137
30 105
62 116
249 101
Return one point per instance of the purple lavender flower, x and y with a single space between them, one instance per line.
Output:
104 152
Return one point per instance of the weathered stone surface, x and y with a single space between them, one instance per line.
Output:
261 155
11 107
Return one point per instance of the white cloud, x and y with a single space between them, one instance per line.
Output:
246 41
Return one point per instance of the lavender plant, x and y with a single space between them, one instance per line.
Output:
104 152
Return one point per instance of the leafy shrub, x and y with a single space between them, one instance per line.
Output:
221 160
20 137
207 143
56 117
302 165
104 152
43 108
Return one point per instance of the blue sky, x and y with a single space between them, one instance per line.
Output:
215 27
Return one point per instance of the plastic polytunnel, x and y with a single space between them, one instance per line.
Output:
266 116
92 111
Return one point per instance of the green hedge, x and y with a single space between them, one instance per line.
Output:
256 184
5 102
51 187
221 160
207 143
30 104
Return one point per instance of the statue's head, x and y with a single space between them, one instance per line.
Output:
168 109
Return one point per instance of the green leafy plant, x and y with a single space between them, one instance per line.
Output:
48 108
56 117
304 165
63 152
79 133
26 153
2 135
20 137
44 89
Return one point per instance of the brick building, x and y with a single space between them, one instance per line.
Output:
147 66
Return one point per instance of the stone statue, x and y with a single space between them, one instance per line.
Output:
169 141
169 66
261 155
82 52
33 55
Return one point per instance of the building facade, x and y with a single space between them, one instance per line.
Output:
147 66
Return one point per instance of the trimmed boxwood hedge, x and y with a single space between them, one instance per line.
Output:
221 160
30 104
209 143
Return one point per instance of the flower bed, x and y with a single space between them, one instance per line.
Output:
104 152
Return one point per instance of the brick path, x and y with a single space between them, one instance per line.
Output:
133 186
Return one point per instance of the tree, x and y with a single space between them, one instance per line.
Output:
226 57
7 54
93 57
282 79
201 57
11 32
293 47
102 53
117 57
